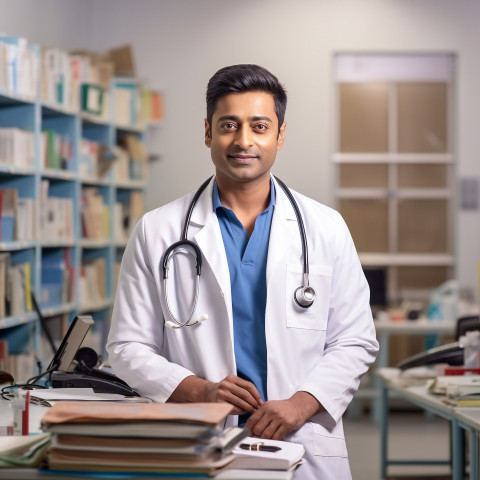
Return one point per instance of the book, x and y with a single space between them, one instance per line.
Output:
4 267
251 474
22 66
9 208
186 447
134 429
100 461
288 455
472 400
109 414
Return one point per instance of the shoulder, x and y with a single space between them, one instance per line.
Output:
174 211
319 211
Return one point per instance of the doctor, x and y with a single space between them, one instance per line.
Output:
288 371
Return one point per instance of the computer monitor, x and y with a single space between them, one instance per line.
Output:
376 278
71 343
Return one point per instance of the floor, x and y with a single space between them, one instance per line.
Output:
430 440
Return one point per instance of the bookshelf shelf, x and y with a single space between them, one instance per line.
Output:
16 170
59 309
97 306
60 174
59 158
15 321
12 246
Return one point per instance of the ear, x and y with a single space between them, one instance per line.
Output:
208 134
281 136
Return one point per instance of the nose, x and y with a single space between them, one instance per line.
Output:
244 138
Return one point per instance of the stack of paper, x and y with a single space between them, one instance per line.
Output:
458 390
166 438
22 451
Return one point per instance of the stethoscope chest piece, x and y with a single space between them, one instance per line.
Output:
304 296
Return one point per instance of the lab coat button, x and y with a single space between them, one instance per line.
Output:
223 295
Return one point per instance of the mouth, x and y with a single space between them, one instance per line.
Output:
242 158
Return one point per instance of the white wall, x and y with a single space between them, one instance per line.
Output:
57 23
179 44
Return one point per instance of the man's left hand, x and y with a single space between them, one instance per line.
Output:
275 418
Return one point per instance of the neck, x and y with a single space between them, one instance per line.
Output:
247 200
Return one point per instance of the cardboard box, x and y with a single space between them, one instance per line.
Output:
122 58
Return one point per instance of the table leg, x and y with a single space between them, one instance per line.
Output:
458 449
474 470
383 431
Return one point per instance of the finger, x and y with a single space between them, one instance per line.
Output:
253 420
245 394
279 433
237 397
249 387
260 426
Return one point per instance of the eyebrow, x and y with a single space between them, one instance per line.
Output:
236 118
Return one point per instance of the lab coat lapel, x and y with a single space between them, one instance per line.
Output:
281 233
209 239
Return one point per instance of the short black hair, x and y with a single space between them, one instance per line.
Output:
245 78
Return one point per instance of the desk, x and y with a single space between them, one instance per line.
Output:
386 328
460 418
468 418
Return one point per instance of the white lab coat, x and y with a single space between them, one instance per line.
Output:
323 350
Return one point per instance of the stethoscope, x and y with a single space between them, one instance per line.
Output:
304 295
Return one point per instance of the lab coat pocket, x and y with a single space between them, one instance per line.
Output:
315 317
329 442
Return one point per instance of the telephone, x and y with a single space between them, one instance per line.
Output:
451 353
86 375
76 367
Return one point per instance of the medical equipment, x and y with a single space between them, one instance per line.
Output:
304 295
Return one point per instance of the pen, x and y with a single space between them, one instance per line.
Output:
259 447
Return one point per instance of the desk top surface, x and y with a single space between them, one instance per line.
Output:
420 326
469 415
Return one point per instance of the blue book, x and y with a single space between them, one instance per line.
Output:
7 229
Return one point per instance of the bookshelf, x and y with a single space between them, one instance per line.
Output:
73 172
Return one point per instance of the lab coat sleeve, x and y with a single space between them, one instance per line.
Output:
137 327
350 342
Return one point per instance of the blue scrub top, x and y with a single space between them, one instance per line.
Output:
247 263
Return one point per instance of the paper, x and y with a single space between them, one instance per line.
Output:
81 394
454 385
23 451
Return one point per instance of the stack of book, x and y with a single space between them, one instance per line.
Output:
178 439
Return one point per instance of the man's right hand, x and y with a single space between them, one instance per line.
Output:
239 393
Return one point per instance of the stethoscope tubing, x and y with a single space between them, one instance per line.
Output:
187 246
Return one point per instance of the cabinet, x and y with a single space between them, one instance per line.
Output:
72 187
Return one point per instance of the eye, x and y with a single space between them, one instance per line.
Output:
228 126
261 127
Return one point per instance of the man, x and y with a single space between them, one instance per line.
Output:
288 371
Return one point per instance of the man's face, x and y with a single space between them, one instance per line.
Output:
244 137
